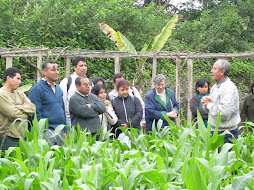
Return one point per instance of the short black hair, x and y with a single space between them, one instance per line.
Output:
96 89
97 79
251 88
45 64
117 75
77 59
201 82
78 79
11 72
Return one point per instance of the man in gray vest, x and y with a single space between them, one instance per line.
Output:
86 107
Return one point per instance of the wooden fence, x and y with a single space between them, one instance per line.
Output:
180 58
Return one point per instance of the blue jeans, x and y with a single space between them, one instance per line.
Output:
229 136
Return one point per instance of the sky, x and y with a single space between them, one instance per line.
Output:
177 2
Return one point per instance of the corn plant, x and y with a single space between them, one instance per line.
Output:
172 157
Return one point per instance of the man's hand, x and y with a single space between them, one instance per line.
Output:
88 105
206 100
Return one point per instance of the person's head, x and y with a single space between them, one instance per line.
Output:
160 82
220 70
122 88
12 78
82 84
79 65
252 88
202 86
50 71
100 91
98 80
117 77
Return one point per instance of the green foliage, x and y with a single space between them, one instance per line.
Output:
172 158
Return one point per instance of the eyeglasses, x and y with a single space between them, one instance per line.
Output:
87 84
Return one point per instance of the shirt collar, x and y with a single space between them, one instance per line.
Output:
48 82
220 83
82 94
159 93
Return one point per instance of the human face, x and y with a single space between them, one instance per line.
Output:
160 87
14 82
81 68
84 87
203 90
117 80
51 73
217 74
102 94
123 91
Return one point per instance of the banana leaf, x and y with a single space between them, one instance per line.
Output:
25 88
119 39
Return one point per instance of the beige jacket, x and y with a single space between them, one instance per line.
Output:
12 106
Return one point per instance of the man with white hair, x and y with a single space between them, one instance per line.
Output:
223 99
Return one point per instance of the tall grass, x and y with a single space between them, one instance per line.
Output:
171 158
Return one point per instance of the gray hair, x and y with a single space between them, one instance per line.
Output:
158 78
224 64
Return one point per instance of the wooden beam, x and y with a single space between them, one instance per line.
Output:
9 62
178 66
39 64
154 69
68 65
190 84
117 63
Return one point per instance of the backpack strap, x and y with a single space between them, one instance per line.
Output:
132 90
42 90
69 83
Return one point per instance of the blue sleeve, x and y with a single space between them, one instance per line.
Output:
36 97
151 111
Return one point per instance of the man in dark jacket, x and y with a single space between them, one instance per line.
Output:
86 107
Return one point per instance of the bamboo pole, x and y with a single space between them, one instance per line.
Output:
39 64
9 62
68 65
190 82
154 69
117 63
178 65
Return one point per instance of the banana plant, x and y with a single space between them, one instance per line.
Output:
25 88
155 45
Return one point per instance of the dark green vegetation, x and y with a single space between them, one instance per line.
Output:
174 158
223 27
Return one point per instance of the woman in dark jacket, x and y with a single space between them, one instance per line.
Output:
127 108
202 89
247 112
160 101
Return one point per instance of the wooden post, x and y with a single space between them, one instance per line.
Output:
39 64
117 63
154 69
190 82
178 65
9 62
68 65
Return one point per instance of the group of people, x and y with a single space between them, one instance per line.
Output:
78 101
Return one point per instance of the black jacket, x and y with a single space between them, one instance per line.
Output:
127 109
